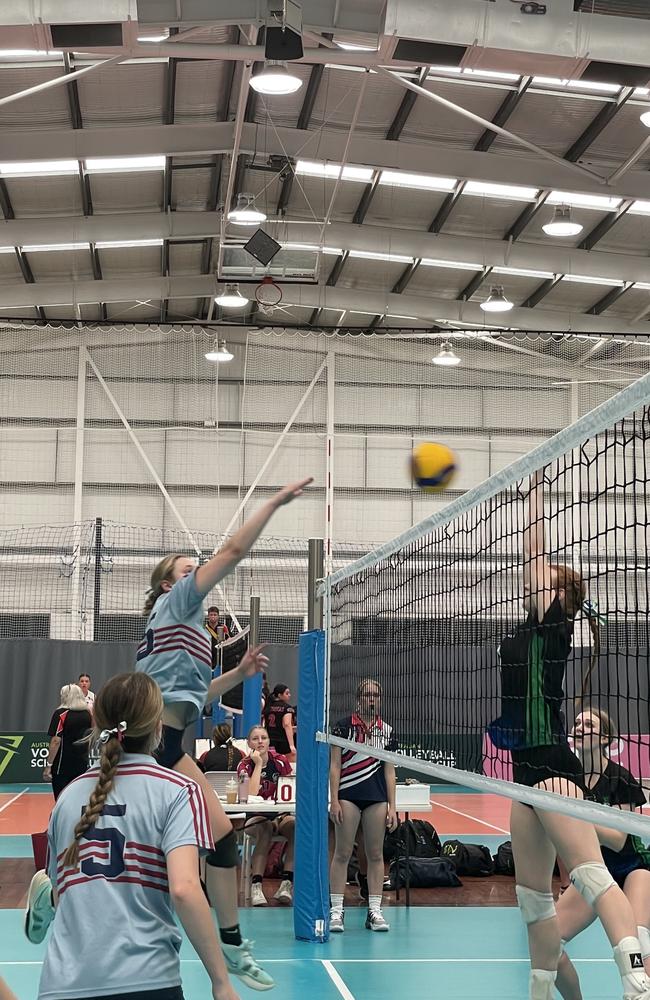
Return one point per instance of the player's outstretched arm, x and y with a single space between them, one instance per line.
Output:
234 550
253 662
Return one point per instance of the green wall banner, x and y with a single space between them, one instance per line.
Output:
23 757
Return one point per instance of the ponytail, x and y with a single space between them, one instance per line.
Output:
111 756
162 573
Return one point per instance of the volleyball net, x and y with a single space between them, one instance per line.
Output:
427 614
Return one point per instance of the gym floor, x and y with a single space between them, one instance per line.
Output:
457 944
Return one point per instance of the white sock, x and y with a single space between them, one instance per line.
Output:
374 903
627 955
644 941
336 902
541 984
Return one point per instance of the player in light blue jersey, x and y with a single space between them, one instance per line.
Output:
119 872
177 654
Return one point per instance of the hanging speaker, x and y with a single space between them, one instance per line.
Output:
262 247
283 39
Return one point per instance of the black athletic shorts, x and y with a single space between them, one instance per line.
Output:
171 993
537 764
170 750
363 804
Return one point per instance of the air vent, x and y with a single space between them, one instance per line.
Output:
86 36
429 53
624 76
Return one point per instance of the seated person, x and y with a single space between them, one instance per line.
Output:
626 857
264 767
222 755
279 719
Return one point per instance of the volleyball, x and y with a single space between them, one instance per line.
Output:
433 466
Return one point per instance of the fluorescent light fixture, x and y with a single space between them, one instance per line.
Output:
394 258
275 80
245 213
645 119
562 224
446 356
311 168
118 244
640 208
587 279
46 247
231 297
521 272
219 353
43 168
7 249
423 182
118 164
29 54
456 70
458 265
553 81
490 74
577 200
496 301
511 192
153 38
352 47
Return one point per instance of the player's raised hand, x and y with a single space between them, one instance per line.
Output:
290 492
253 661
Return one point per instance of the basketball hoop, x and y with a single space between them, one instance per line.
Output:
268 293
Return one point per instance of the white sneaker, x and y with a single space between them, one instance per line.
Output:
336 922
284 894
375 921
257 895
240 962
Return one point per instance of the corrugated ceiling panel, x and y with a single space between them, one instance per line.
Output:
9 269
200 90
191 189
630 305
130 94
185 259
131 313
379 274
409 209
621 136
310 197
70 265
90 313
438 282
120 262
337 97
574 297
46 110
45 196
483 216
127 192
185 309
553 122
433 121
631 234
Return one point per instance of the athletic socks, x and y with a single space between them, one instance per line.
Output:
231 935
336 901
541 984
374 903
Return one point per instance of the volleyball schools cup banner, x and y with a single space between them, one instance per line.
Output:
23 757
631 751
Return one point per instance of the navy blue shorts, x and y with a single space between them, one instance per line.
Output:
170 750
171 993
624 866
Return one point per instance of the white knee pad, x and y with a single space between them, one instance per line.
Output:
534 905
591 880
644 941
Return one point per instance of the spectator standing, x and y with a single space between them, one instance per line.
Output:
67 756
279 720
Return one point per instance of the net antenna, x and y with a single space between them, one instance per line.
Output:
428 615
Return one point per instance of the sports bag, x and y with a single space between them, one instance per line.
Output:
424 873
469 859
417 835
504 862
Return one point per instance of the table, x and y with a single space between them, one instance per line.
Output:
408 799
268 806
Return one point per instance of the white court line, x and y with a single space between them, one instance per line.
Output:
386 961
467 816
11 801
338 982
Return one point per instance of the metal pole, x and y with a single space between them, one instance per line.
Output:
254 622
77 510
314 574
97 593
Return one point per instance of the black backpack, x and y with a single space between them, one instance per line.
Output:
469 859
420 837
504 862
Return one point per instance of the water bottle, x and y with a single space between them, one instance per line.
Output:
244 782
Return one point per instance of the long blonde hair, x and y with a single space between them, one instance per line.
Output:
72 698
134 699
162 573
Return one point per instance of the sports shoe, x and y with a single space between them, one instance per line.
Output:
257 895
336 922
240 962
362 882
375 921
39 912
284 894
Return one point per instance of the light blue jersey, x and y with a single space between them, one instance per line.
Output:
176 651
114 929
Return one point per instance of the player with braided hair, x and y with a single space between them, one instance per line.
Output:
133 853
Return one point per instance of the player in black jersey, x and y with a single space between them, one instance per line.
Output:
626 856
531 726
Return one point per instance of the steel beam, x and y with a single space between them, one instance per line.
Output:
541 291
608 300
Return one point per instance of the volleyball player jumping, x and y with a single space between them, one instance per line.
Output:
533 662
177 654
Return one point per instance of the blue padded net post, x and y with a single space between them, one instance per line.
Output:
311 892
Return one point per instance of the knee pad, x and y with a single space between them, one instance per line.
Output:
591 880
225 853
644 941
534 905
542 984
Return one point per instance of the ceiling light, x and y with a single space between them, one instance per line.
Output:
496 301
422 182
231 297
245 213
578 200
219 353
275 79
446 356
115 164
44 168
311 168
562 224
153 38
645 118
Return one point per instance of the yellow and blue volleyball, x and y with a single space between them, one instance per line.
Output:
433 466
